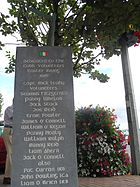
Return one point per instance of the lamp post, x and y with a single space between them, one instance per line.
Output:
51 20
130 105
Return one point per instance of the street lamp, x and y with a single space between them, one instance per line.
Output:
127 40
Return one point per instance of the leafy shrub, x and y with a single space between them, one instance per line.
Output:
101 146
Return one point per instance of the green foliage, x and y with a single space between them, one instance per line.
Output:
84 25
101 146
112 18
7 28
100 76
12 61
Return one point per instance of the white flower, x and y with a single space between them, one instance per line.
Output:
97 170
101 130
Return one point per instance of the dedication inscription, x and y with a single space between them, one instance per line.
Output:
44 147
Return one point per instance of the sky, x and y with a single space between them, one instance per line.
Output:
111 94
87 91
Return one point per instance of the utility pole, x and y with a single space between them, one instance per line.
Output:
130 108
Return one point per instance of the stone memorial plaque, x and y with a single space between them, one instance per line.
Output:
44 138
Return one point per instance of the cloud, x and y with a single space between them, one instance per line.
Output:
111 94
94 92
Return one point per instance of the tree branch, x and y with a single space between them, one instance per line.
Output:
90 61
79 56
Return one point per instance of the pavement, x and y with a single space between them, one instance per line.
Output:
116 181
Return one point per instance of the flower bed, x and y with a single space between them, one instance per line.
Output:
101 146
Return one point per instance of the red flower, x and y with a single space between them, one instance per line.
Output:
124 146
106 163
114 137
93 136
87 142
136 45
109 125
102 126
104 172
137 33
